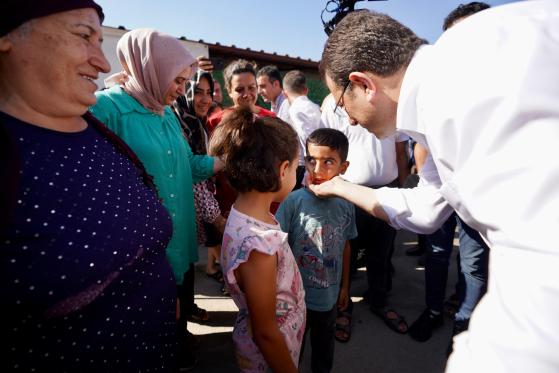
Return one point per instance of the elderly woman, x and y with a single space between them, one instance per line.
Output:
85 282
157 67
192 110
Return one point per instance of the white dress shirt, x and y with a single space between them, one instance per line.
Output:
305 118
372 162
281 108
485 101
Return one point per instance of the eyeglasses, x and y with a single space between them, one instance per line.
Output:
340 102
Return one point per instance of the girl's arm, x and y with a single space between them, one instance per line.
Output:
257 279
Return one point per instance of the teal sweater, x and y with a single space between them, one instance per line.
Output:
159 143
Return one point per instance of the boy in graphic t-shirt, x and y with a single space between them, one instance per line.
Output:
319 231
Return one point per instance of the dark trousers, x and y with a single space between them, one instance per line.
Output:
321 326
377 239
185 293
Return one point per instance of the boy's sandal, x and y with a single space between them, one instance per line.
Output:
224 291
391 318
198 315
217 275
343 326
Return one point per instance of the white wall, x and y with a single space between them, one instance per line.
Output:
111 36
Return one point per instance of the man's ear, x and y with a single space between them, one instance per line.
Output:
365 81
343 167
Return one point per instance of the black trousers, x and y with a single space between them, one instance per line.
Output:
185 293
376 238
321 326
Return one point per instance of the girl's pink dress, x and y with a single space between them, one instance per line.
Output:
242 235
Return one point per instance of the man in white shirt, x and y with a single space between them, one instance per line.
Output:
304 114
270 88
373 163
484 101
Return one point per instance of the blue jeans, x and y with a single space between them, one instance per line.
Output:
474 256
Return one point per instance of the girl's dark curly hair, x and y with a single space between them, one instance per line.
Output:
253 148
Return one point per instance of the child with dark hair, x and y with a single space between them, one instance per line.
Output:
260 271
319 231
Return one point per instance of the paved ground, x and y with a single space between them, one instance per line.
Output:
372 348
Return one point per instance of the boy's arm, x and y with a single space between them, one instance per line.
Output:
343 298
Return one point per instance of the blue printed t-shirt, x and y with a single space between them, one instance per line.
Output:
317 232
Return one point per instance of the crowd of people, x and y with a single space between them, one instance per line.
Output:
108 194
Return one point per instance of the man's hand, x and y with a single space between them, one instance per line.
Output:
328 188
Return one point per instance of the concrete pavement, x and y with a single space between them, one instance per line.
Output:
373 346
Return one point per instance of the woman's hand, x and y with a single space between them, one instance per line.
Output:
204 63
218 164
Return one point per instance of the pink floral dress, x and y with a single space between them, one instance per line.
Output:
242 235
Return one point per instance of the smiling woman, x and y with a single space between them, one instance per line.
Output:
85 281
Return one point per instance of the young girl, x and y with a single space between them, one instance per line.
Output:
260 157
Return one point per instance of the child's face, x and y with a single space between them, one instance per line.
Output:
323 163
288 174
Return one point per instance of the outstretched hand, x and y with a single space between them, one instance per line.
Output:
328 188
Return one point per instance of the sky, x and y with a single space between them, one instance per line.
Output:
291 27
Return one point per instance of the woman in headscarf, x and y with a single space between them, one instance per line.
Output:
86 286
192 110
156 68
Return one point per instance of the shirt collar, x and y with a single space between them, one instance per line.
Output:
277 104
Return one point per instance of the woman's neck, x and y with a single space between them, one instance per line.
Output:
256 205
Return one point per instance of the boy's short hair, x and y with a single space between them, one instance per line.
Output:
332 138
295 81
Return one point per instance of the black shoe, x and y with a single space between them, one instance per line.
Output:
415 251
422 329
458 327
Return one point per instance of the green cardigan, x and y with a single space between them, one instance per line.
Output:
159 143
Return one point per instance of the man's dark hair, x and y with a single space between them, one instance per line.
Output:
253 149
295 81
332 138
237 67
462 11
368 41
272 73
